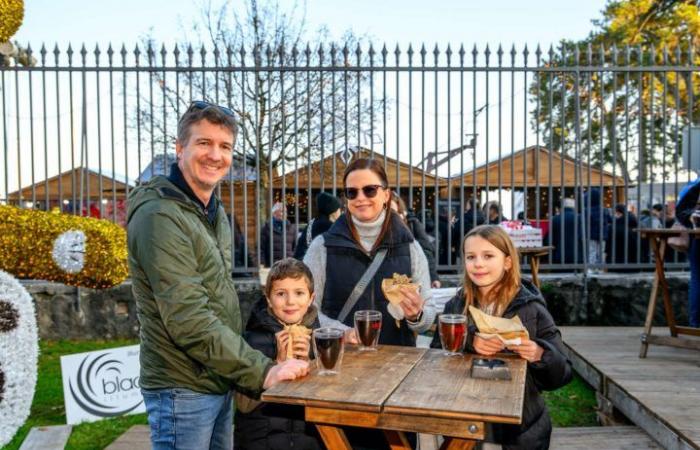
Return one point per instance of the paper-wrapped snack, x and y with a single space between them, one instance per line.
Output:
296 332
509 331
392 291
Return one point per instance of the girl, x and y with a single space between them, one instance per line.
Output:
492 282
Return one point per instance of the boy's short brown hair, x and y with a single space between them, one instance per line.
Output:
289 268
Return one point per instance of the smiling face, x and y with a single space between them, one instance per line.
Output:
290 298
206 157
363 208
485 264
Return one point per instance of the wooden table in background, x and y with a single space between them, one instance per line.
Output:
533 254
657 242
404 389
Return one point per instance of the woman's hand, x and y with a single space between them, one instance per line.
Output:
528 350
412 303
351 336
282 338
487 347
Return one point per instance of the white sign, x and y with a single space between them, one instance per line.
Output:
101 384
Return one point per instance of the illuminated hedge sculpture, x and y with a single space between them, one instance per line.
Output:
18 356
78 251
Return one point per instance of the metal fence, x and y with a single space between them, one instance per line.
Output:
521 130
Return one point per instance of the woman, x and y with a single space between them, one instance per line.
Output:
426 241
340 257
492 283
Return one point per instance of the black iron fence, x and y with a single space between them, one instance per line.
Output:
585 144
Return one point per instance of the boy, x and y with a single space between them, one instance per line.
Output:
280 327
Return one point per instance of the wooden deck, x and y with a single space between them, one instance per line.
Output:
660 394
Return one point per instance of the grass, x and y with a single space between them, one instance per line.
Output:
48 408
570 406
573 405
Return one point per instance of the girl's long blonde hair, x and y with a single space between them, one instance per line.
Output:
506 289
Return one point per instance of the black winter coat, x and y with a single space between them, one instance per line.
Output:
319 225
572 250
598 216
282 244
271 425
551 372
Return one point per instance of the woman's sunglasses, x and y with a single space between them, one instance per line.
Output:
370 191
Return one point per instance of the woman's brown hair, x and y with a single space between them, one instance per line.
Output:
505 290
378 169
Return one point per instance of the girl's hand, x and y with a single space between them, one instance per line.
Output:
412 303
282 338
351 337
528 350
487 347
302 344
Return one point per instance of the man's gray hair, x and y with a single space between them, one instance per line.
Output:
212 114
569 203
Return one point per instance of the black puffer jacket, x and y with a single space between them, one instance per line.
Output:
272 425
427 243
319 225
551 372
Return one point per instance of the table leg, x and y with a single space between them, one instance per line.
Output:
457 444
652 302
397 440
663 284
333 437
535 268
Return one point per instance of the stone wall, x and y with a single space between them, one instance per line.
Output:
66 312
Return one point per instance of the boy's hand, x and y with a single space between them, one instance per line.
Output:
282 338
528 350
487 347
302 345
288 370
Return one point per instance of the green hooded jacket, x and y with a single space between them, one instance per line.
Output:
186 303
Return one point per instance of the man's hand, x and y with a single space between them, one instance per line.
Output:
436 284
290 369
487 347
412 303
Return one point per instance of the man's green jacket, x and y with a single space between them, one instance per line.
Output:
187 306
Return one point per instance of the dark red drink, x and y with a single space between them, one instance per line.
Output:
453 329
328 347
368 325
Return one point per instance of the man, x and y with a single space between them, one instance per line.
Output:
192 352
566 235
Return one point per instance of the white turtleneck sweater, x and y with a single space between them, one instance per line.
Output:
368 232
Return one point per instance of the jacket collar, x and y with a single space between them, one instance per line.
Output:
339 234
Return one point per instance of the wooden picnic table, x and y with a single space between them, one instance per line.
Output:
533 254
406 389
657 241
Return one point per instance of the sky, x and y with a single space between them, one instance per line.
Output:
391 21
440 22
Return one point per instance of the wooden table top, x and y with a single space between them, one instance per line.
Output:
410 381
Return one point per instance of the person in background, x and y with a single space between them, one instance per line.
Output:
598 219
493 283
426 241
568 248
494 213
240 250
471 218
688 214
622 231
284 236
328 209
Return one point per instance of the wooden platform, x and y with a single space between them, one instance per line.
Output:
660 394
136 438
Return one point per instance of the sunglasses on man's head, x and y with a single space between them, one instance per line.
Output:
370 191
201 104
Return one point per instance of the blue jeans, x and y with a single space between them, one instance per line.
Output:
694 291
181 419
